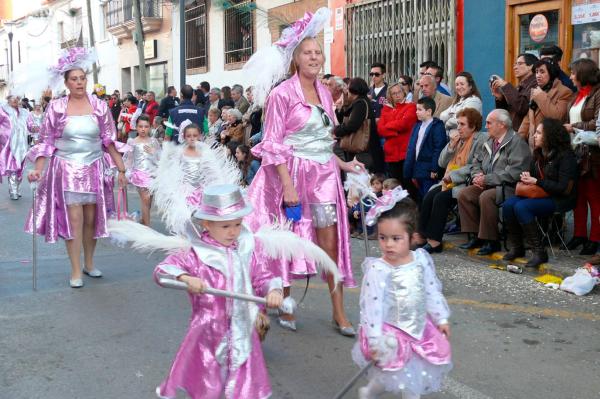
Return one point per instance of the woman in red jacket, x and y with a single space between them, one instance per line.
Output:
395 125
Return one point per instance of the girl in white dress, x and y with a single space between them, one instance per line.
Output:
403 313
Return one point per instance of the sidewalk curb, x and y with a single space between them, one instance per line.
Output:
496 260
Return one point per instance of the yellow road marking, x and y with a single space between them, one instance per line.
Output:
532 310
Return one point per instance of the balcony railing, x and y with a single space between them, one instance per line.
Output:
119 16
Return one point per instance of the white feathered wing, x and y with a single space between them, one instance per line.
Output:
145 239
278 242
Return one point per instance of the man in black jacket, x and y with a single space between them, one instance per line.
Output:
186 111
168 103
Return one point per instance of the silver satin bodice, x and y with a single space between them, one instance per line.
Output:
405 299
191 170
80 141
142 160
314 141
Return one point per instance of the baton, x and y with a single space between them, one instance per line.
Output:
364 227
288 305
34 186
351 383
391 343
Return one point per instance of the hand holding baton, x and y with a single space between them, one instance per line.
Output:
288 305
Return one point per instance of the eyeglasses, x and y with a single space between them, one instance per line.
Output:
324 116
519 63
375 74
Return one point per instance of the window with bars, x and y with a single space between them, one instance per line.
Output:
401 34
239 31
196 52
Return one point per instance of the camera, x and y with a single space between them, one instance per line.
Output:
494 77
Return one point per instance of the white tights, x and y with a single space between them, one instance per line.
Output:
375 388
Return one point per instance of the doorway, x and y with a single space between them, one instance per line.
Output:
533 25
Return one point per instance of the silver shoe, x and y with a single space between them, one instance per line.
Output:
76 283
345 331
287 324
96 273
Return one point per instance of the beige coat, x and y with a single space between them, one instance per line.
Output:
551 104
442 103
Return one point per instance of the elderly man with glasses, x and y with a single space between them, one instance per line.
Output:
495 172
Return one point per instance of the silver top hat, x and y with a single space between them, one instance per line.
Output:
222 202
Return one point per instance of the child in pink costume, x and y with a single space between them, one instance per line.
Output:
401 301
221 355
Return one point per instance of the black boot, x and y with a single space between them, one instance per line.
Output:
589 248
534 238
472 243
490 247
576 242
515 240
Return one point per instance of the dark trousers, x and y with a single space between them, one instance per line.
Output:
434 212
525 210
396 171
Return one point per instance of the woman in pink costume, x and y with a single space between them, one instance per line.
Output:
298 164
403 313
13 153
72 194
5 127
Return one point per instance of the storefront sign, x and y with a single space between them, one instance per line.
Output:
586 13
339 18
538 28
150 49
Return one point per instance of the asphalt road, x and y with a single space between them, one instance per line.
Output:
116 337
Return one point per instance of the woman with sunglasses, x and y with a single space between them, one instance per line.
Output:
299 178
351 119
406 83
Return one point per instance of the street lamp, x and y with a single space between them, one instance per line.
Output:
10 40
10 37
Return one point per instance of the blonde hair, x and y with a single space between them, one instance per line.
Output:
390 184
388 95
293 66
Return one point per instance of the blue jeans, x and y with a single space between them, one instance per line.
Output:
525 210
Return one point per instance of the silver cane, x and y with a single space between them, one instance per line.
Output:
364 227
288 305
34 187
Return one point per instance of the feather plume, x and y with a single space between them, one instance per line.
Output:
169 191
279 242
145 239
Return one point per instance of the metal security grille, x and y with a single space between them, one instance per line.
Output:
195 35
239 30
401 34
121 11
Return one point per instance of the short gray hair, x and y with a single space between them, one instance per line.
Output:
236 113
339 82
431 78
215 90
238 88
503 117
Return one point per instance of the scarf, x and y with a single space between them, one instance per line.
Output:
583 93
460 158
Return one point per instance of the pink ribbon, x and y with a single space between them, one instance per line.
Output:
214 211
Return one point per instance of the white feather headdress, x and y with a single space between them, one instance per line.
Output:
270 65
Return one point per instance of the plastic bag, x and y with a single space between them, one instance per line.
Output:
580 283
585 137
